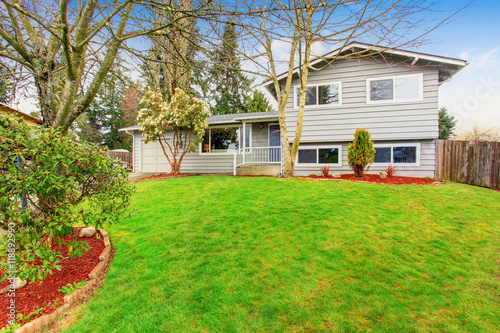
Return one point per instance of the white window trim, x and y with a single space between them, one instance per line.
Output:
393 78
318 147
296 106
392 145
240 126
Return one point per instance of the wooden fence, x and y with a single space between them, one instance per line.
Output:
475 163
126 157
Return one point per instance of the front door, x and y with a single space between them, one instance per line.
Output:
274 141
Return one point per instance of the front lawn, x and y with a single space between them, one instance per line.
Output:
236 254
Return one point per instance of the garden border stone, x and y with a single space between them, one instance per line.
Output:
71 299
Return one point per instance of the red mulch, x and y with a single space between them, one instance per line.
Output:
394 180
253 176
45 293
164 175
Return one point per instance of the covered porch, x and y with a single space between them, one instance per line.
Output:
252 138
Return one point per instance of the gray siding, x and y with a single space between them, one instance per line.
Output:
408 122
192 162
389 121
260 136
425 169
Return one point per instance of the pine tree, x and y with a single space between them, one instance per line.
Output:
447 124
6 84
258 103
107 113
232 87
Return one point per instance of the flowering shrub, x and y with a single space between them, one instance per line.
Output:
390 171
325 171
47 182
185 116
360 152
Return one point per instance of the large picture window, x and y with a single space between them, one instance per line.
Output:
224 139
319 155
320 95
397 154
394 89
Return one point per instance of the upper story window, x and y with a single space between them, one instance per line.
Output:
402 88
328 94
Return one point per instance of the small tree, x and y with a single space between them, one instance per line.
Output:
258 103
185 116
447 124
44 176
360 152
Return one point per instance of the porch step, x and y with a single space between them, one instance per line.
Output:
259 170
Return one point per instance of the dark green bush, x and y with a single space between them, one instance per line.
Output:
49 181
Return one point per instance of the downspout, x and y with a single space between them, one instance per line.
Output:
133 147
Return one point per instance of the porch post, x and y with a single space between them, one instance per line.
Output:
244 134
234 163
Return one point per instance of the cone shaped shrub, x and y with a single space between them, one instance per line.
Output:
360 153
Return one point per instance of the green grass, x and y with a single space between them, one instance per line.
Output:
229 254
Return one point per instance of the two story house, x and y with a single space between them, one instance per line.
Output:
393 94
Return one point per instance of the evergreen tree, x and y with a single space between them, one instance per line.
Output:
360 152
232 87
447 124
6 84
258 103
108 112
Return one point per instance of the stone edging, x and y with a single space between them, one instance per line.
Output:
72 298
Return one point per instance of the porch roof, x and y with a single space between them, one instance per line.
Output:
240 117
227 119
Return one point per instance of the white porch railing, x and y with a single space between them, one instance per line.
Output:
258 155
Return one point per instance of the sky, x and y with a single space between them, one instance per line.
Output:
473 94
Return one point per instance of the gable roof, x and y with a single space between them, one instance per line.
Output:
8 110
383 49
237 118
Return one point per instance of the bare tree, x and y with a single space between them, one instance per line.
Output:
68 48
297 25
478 133
171 59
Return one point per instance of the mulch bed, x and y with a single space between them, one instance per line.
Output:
164 175
394 180
45 294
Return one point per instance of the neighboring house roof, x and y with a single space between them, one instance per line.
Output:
226 118
455 65
30 120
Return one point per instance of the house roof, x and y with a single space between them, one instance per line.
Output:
458 64
7 109
227 119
